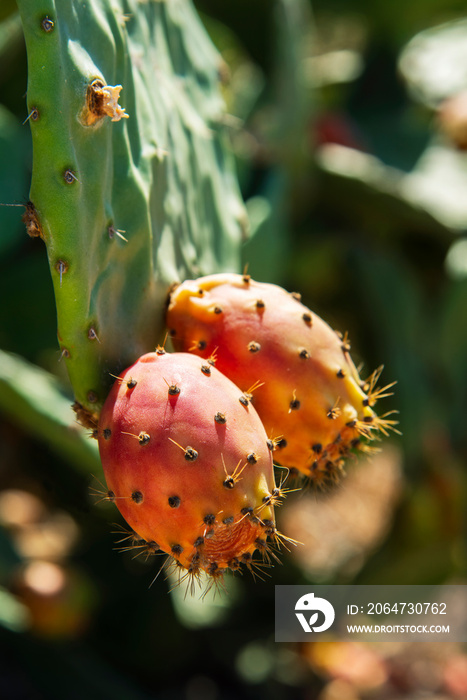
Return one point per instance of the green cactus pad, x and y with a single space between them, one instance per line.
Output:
133 188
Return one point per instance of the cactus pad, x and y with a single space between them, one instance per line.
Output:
132 185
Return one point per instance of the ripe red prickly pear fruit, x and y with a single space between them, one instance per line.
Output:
188 466
308 388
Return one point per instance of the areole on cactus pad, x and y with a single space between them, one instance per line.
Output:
188 465
295 368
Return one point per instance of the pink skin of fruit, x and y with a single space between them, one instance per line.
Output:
309 393
186 463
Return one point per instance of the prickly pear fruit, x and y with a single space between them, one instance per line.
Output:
188 466
308 390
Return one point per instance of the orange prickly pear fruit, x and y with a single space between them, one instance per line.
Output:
189 467
306 386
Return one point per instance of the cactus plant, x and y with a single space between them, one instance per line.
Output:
132 183
187 464
308 388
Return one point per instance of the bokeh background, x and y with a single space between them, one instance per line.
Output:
348 123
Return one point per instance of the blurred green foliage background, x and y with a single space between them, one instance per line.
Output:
355 190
